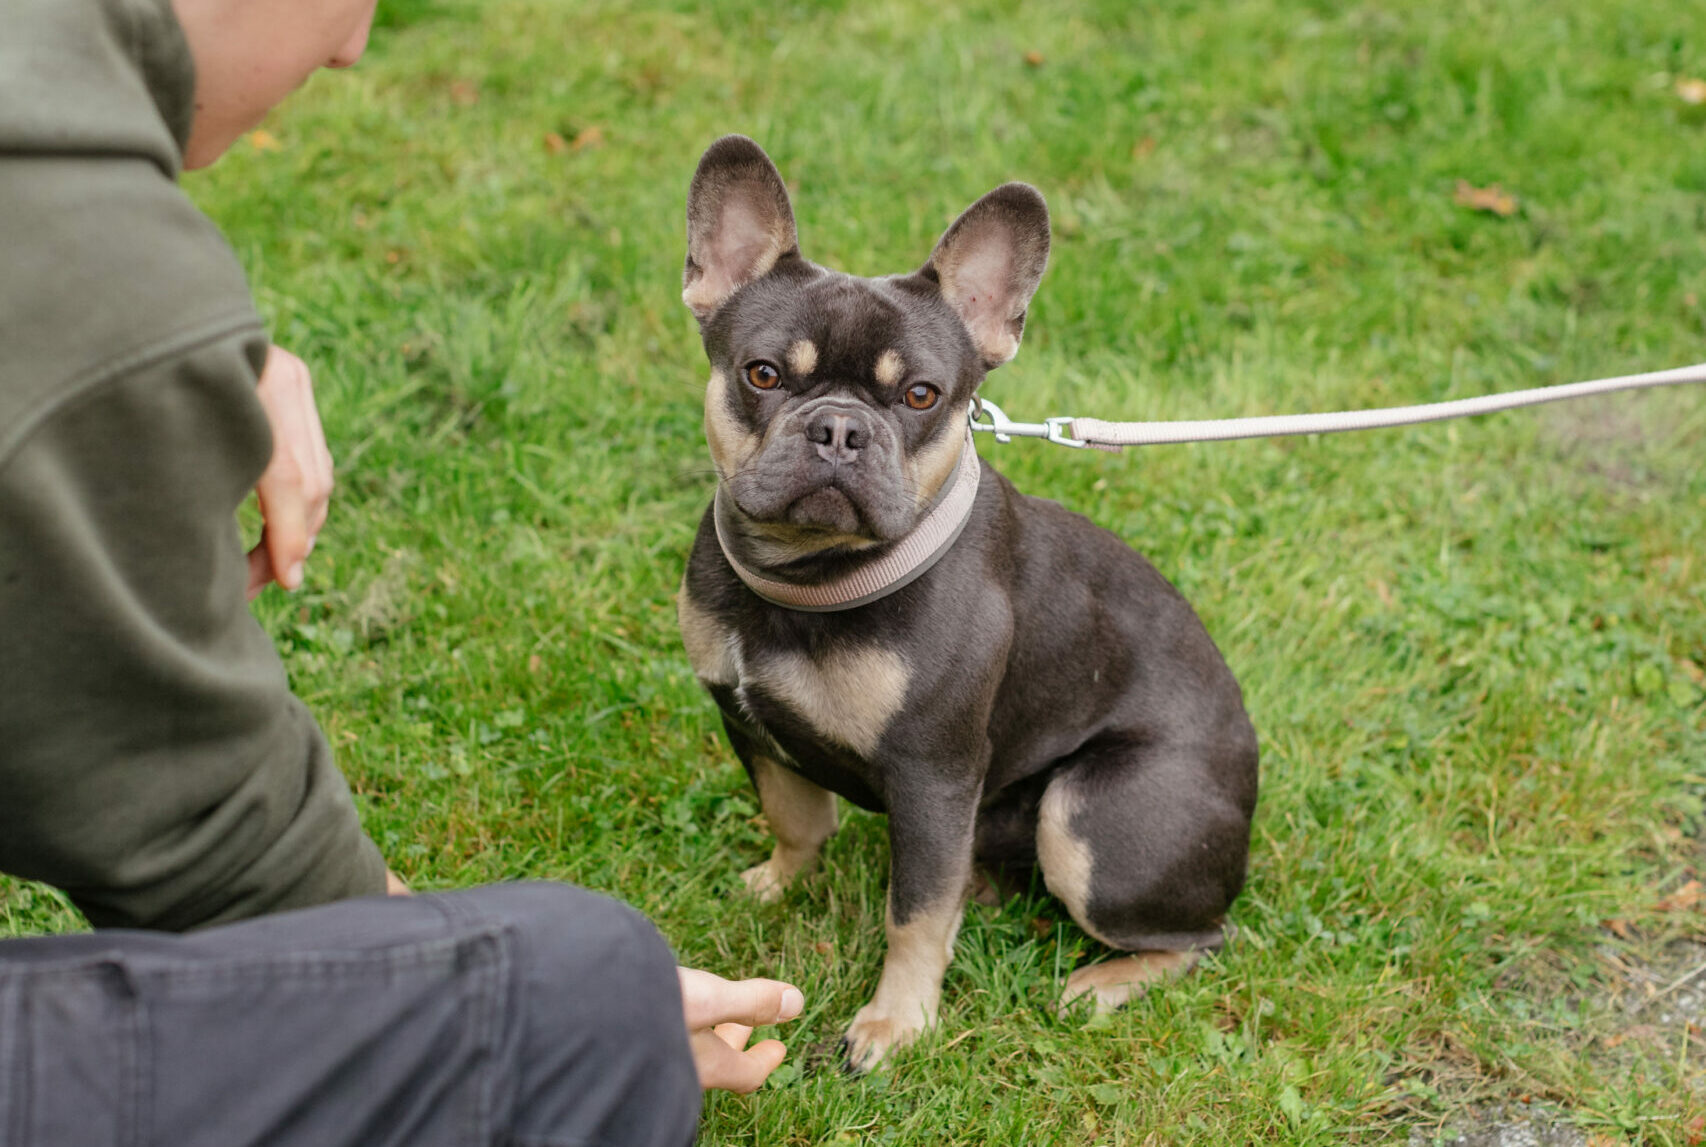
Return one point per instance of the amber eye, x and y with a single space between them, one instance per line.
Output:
922 396
762 375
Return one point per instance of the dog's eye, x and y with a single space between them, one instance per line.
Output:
922 397
762 375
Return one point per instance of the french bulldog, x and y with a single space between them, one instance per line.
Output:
880 615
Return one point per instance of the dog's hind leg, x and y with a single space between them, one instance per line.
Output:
1146 846
1114 983
802 816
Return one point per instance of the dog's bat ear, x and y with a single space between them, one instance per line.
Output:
739 223
988 265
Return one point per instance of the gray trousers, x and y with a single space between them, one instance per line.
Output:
532 1015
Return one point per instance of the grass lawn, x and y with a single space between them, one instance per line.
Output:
1474 652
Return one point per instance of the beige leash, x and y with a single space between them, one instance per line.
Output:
1080 432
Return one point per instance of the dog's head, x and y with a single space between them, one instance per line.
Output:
837 405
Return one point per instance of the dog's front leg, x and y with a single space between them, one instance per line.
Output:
800 814
930 850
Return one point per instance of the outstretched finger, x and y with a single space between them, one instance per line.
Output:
314 458
708 1000
735 1035
721 1066
296 489
286 535
260 570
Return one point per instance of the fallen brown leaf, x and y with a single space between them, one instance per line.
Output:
590 137
1691 91
1143 148
1033 59
1492 198
463 93
824 948
1688 896
555 144
1621 929
263 140
1640 1033
534 663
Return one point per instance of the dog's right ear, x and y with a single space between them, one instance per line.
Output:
739 223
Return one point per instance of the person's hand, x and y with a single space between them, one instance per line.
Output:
394 885
720 1017
297 486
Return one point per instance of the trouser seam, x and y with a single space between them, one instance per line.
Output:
486 994
14 1074
487 991
137 1130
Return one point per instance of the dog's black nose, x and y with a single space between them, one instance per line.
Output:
839 436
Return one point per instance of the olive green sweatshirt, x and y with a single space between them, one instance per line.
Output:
153 762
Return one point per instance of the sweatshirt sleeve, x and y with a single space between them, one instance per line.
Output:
153 761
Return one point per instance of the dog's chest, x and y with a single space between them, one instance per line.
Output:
842 696
846 697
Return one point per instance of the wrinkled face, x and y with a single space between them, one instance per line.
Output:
837 406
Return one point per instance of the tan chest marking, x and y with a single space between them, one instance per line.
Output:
848 696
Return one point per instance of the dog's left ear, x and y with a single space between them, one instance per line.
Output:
988 265
739 223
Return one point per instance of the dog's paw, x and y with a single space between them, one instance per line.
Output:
766 881
1114 983
873 1034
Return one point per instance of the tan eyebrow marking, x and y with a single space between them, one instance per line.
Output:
890 368
802 357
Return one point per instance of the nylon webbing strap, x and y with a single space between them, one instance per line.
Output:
1104 435
1097 432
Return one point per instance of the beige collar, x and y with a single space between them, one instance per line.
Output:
903 564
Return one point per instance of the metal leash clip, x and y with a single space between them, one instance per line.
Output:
1005 429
